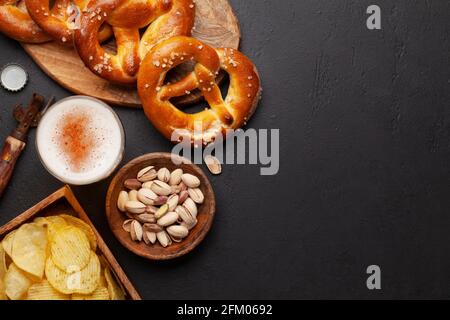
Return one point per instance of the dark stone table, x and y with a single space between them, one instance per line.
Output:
364 177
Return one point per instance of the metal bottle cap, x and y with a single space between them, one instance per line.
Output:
13 77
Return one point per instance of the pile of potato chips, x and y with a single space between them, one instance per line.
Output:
54 258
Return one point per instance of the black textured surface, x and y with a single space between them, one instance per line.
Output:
365 145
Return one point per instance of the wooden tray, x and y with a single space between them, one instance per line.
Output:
64 200
215 24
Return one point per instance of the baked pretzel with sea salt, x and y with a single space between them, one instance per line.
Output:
60 20
16 23
161 18
230 113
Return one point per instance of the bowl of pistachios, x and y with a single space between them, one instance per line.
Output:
160 206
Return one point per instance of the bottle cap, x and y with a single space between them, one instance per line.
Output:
13 77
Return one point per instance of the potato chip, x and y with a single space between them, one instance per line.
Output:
102 280
2 290
84 281
83 226
29 249
70 249
44 291
16 283
101 293
2 262
8 241
52 223
115 291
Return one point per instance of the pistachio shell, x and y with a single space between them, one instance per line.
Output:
146 218
186 217
136 231
132 195
147 196
121 200
168 219
147 185
127 225
196 195
161 188
173 202
175 177
135 207
152 227
132 184
183 196
147 174
164 239
190 180
178 232
191 206
213 164
164 175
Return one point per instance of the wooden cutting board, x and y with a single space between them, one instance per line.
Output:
215 24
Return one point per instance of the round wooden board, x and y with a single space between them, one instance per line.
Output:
215 24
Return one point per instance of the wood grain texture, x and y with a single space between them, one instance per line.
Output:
215 24
206 211
64 201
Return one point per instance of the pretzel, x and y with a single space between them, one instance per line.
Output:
232 112
163 19
60 20
16 23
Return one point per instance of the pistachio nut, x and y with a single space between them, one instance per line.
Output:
213 164
151 209
168 219
121 200
132 195
160 200
178 232
183 196
145 237
190 180
135 207
175 189
164 175
146 218
173 202
149 237
191 225
164 239
196 195
147 196
127 225
175 177
191 206
161 188
136 231
162 211
152 227
152 237
147 174
147 185
186 217
183 186
132 184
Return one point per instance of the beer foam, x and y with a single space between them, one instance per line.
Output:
96 133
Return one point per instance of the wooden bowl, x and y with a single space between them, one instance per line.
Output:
206 211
